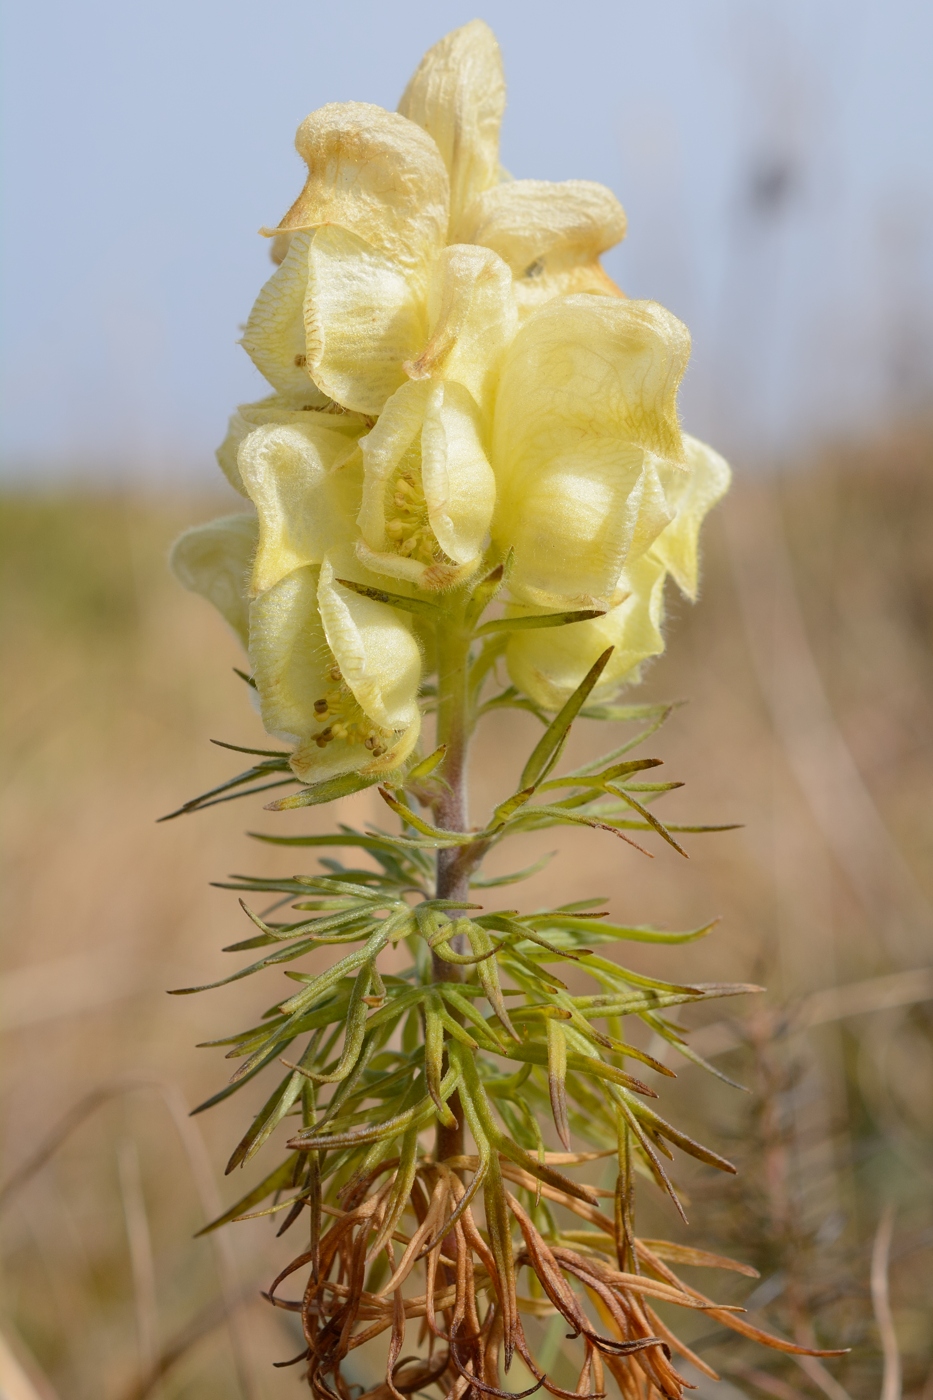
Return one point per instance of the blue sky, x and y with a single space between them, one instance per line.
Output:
774 158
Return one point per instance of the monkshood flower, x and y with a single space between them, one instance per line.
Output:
360 292
586 444
336 674
548 665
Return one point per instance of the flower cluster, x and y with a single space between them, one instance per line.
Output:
457 384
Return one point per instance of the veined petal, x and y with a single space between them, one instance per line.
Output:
281 409
471 311
214 560
274 337
289 655
585 420
458 95
306 491
551 235
375 650
304 698
364 316
690 495
428 488
548 664
376 173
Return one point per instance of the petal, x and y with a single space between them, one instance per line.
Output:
548 664
311 766
279 409
551 235
427 481
296 674
585 421
364 316
214 560
375 650
473 319
458 95
373 172
306 490
274 337
691 495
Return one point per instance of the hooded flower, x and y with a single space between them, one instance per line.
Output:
362 298
337 675
547 664
586 445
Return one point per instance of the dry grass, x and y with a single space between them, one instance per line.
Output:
809 721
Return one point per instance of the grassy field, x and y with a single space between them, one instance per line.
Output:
808 666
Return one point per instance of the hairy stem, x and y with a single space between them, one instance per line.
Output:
453 870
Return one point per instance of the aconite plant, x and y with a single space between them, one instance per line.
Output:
466 493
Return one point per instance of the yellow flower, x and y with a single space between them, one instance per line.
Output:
551 235
366 294
586 445
547 664
214 560
428 491
337 675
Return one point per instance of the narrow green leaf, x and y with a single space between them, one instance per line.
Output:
652 820
616 770
556 731
522 624
357 1011
261 753
487 590
277 1180
244 676
261 770
434 1058
396 600
631 933
450 838
326 791
505 809
493 881
542 815
427 765
557 1078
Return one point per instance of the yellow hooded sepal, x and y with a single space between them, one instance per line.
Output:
585 434
547 664
337 675
305 480
215 560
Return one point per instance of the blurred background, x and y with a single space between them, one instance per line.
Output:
775 164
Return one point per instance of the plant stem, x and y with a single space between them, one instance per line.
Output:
453 871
